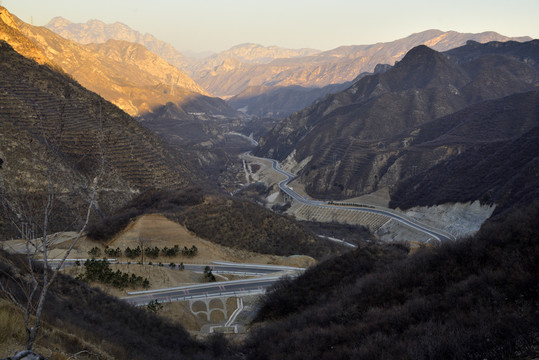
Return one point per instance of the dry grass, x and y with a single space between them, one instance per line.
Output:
12 334
13 338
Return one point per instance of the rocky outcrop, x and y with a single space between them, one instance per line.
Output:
9 32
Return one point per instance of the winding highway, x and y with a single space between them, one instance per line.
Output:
283 185
267 275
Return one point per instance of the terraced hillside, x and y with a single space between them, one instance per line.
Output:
347 216
49 120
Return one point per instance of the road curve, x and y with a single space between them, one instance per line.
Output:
283 185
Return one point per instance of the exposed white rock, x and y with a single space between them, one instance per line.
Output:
459 219
272 197
291 165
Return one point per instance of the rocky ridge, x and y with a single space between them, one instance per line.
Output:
10 32
231 75
230 72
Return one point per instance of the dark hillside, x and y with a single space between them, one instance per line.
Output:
471 299
319 284
278 102
244 225
359 140
527 52
500 166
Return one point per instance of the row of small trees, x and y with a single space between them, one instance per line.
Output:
99 270
152 253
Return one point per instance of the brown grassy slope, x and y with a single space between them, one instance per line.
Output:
244 225
39 104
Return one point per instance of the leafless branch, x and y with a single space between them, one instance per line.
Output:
36 289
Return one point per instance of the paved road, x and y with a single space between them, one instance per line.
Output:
203 291
216 267
242 269
283 185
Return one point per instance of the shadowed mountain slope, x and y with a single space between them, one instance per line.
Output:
500 164
278 102
359 140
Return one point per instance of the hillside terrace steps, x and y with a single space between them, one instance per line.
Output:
35 110
346 216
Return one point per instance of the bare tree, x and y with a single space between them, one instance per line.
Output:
32 214
143 242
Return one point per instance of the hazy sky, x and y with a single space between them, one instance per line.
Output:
216 25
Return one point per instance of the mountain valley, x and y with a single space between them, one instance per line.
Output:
386 196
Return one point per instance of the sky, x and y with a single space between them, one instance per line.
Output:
217 25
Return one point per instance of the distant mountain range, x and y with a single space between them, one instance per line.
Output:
135 79
230 72
281 101
232 75
369 136
95 31
124 73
